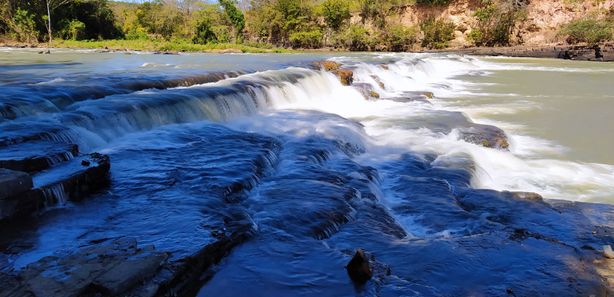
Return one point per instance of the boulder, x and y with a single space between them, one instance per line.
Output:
358 268
327 65
485 135
346 76
13 183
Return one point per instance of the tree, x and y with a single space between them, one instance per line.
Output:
51 6
204 33
335 12
236 17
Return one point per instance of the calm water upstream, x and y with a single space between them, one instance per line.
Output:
199 141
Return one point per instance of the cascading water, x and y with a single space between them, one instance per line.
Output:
305 170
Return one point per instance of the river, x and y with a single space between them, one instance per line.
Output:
200 139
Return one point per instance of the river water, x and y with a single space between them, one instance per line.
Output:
195 139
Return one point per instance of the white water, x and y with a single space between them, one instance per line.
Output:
532 164
528 166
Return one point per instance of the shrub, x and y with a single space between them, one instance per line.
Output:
335 13
495 23
437 33
398 38
74 30
354 38
306 39
25 27
587 30
204 33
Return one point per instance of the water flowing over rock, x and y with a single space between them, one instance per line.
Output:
265 183
359 268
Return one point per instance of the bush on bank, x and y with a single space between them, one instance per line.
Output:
588 30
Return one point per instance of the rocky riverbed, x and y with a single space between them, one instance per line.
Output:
295 181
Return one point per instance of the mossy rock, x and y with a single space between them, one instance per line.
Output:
346 76
327 65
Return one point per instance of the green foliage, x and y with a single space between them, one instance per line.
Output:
158 19
74 30
24 28
275 21
336 13
204 33
588 30
235 15
354 38
306 39
495 23
398 38
437 33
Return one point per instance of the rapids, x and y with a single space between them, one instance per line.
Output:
202 143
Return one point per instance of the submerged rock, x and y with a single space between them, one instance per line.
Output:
366 90
358 268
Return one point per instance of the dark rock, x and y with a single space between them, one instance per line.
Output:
184 278
36 155
67 181
358 268
109 268
85 163
13 183
485 135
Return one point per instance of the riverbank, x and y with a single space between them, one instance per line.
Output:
159 46
600 53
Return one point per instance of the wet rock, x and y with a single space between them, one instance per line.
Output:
13 183
379 82
184 277
327 65
485 135
366 90
413 97
358 268
67 181
603 52
36 156
607 252
346 76
109 268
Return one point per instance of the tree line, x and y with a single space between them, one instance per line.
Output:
345 24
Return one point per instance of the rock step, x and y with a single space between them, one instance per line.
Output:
13 183
36 156
72 180
106 268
